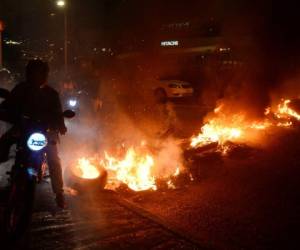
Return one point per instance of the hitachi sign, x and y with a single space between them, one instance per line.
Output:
169 43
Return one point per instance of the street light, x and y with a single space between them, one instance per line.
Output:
62 4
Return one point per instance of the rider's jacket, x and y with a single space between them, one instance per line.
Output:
38 103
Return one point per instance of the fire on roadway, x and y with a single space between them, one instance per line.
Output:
157 124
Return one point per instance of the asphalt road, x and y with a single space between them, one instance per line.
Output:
250 201
97 221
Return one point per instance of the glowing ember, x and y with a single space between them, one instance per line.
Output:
284 124
134 170
86 170
177 172
261 125
170 184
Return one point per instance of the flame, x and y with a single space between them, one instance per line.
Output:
213 132
170 182
177 172
139 167
284 124
232 127
220 129
140 170
134 170
226 126
85 169
284 111
267 111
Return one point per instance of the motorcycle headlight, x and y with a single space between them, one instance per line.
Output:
37 142
73 103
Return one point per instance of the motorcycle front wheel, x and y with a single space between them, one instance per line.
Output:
18 212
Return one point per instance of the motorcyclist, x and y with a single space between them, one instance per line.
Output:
35 99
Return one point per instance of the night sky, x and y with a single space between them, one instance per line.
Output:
273 24
32 18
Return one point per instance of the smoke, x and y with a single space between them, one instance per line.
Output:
124 121
169 158
129 116
263 37
81 140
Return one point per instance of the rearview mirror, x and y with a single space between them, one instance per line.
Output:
4 93
68 114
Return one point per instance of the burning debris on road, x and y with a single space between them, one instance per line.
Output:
145 167
139 168
195 114
226 126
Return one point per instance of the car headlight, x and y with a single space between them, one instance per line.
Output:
73 103
37 141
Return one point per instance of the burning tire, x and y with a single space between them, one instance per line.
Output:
79 180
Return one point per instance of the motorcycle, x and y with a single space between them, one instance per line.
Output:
33 138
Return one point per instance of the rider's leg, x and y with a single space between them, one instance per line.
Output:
55 170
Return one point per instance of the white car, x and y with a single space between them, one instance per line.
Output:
173 89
